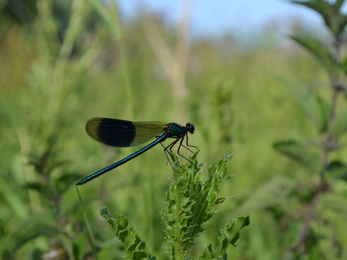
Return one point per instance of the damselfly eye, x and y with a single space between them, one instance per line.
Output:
190 128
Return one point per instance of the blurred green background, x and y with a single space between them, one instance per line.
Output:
65 62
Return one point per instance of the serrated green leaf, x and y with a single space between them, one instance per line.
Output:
339 124
135 247
230 232
320 52
104 212
207 254
139 255
125 236
220 200
300 154
122 220
315 108
190 203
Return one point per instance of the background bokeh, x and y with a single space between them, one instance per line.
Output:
63 62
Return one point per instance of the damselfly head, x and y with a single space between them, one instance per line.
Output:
190 128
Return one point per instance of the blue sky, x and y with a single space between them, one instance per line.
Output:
215 17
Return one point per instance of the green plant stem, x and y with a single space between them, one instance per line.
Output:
310 214
179 254
328 145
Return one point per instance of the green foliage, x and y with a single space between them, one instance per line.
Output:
339 125
337 169
135 248
330 124
190 203
31 228
300 153
319 51
230 234
315 108
74 61
40 120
